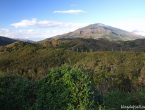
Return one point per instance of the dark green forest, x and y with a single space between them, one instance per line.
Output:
72 74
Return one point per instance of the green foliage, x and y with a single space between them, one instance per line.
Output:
36 85
137 97
16 93
116 98
66 89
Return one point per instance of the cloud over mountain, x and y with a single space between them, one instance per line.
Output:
46 23
30 34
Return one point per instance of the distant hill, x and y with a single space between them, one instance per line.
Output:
97 31
5 41
25 40
87 45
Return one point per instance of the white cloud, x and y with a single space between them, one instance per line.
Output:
140 32
132 25
36 35
45 23
25 23
4 30
69 11
39 33
74 5
30 34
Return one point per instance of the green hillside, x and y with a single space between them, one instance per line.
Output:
85 45
72 74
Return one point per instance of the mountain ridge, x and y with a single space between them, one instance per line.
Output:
99 30
5 40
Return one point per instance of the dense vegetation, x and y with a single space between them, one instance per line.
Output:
31 76
64 89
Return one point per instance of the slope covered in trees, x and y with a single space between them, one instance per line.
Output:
85 45
30 69
65 89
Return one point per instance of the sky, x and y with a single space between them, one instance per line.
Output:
40 19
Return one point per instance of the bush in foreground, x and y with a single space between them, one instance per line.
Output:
67 89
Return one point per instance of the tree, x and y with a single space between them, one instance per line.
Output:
16 93
66 89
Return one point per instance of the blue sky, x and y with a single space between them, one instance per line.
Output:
40 19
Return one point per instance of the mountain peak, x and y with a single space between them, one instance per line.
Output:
99 30
92 26
98 24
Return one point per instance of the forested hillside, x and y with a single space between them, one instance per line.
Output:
33 73
5 41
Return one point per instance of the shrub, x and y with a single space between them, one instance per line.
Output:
67 89
16 93
117 98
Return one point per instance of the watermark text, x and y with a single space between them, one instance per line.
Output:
132 107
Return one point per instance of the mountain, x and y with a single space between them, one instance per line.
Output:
97 31
24 40
5 41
